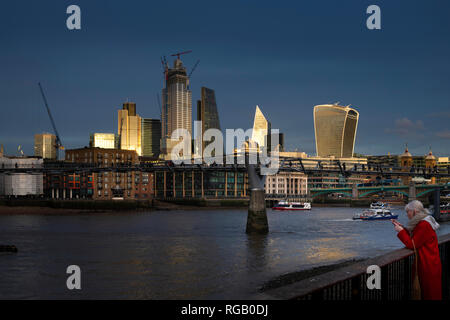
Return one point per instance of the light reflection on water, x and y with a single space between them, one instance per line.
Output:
178 254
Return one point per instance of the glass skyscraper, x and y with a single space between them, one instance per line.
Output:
261 130
335 130
207 112
129 128
151 137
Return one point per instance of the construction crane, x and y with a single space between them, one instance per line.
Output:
159 103
58 143
180 53
165 66
193 68
190 73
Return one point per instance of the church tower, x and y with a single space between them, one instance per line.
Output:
430 163
406 162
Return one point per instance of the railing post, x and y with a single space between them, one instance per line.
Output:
407 278
437 204
356 288
385 281
412 192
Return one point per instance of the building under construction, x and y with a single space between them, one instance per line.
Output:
176 110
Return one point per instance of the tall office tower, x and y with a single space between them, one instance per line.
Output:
280 141
261 130
45 146
151 137
335 129
131 107
176 105
104 140
207 113
129 129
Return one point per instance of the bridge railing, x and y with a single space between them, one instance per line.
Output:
350 283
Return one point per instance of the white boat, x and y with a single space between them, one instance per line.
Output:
286 205
375 214
379 205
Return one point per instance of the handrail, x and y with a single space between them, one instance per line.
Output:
309 286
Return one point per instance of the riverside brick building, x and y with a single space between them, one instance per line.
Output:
112 184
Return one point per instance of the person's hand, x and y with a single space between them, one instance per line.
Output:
397 226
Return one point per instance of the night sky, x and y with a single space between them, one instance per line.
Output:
285 56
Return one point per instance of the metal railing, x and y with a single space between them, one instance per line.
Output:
350 283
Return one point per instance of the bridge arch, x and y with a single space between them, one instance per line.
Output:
382 190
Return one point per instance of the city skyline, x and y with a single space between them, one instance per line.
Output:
372 70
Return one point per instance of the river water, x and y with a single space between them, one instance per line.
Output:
202 254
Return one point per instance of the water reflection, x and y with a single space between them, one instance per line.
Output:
257 257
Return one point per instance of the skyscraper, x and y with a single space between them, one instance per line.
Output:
176 105
45 146
131 107
335 129
207 113
151 137
129 128
261 130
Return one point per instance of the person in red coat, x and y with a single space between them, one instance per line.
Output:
421 228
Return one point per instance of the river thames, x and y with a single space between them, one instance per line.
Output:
203 254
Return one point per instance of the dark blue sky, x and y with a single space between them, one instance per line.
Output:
285 56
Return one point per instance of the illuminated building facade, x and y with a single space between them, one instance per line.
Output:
45 146
335 130
287 184
129 128
261 129
113 184
104 140
176 105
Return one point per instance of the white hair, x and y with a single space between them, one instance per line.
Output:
417 207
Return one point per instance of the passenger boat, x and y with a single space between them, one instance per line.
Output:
379 205
375 214
445 208
286 205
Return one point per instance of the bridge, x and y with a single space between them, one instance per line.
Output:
411 192
308 166
257 218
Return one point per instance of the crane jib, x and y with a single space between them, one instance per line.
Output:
58 140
